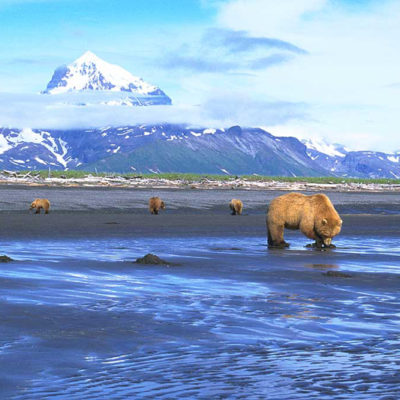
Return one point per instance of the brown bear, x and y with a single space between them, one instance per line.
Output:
155 203
39 204
236 206
314 215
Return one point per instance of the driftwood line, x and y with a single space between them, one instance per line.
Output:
33 178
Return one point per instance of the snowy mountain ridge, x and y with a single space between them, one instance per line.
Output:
178 148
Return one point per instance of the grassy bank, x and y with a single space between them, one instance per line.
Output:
198 177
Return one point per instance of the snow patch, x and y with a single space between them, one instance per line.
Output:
322 147
4 145
40 161
395 159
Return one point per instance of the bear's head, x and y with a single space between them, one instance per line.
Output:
162 205
328 228
33 204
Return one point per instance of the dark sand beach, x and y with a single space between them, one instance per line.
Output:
230 318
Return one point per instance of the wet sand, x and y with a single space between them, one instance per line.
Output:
233 320
168 224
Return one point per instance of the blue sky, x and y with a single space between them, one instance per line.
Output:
310 68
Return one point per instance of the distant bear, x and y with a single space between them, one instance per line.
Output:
236 206
314 215
155 203
40 203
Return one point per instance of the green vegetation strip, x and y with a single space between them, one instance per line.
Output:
223 178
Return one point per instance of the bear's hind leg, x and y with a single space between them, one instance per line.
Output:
275 237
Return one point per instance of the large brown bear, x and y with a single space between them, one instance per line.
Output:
314 215
236 206
155 203
39 204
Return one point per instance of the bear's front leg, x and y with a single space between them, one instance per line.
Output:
37 210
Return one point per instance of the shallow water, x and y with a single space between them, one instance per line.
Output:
234 319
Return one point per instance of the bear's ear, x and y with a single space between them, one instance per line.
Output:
340 222
324 221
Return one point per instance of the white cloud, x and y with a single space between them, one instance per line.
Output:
345 79
267 17
52 112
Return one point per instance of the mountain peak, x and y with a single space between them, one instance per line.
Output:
88 56
89 73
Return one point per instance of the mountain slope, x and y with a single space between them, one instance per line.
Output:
248 152
176 148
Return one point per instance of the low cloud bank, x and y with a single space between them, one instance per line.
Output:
59 112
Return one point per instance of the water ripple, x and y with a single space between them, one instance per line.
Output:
234 320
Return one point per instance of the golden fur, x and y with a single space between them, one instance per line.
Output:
236 206
314 215
155 203
39 204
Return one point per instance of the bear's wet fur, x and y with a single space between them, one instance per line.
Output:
39 204
236 206
155 203
314 215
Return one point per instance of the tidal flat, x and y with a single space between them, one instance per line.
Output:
229 318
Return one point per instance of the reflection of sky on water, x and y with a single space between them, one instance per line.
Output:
379 254
233 320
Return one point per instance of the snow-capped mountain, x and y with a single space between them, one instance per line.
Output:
178 148
341 161
112 84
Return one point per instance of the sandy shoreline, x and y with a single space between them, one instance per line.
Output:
101 212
